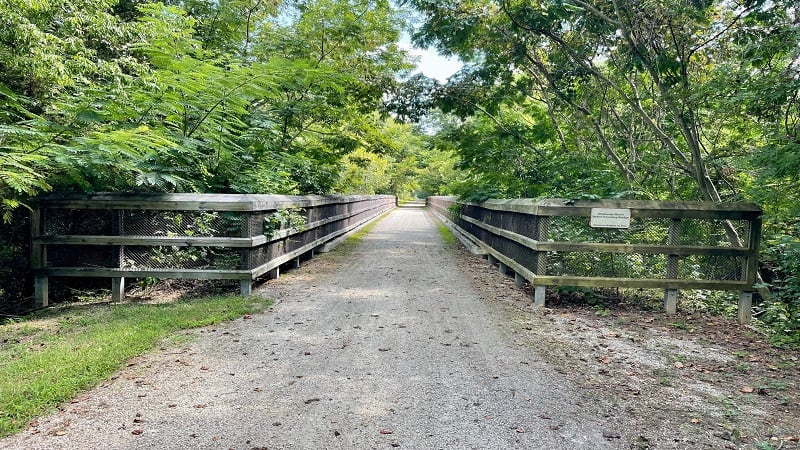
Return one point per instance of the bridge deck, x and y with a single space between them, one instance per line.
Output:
386 347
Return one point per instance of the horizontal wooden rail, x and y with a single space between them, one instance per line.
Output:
546 241
232 237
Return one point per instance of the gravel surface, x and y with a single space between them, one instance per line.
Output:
390 346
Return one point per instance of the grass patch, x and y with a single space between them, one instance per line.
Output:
49 357
447 236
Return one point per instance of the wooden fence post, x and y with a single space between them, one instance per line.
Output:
252 224
38 261
542 233
118 252
671 295
750 271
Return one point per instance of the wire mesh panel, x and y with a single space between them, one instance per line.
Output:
714 232
78 222
181 223
608 265
177 258
709 267
642 230
83 256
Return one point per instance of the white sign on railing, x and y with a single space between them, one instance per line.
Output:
610 218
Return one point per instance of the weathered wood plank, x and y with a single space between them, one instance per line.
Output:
195 202
192 274
639 208
654 249
177 241
644 283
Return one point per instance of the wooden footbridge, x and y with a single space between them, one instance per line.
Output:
551 242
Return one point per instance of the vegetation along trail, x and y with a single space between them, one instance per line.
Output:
390 347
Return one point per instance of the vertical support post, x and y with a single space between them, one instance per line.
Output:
753 245
117 289
519 280
38 261
541 233
491 259
502 268
296 263
251 225
750 271
247 219
245 287
671 295
745 307
118 252
671 301
538 295
274 274
41 293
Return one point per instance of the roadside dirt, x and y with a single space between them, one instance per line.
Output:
686 381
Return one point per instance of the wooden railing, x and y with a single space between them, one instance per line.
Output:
616 243
191 236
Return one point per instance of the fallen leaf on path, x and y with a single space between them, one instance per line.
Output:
384 431
746 389
137 431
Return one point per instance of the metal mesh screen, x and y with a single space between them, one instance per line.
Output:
181 223
171 257
615 265
646 230
729 268
83 222
81 256
146 223
577 229
713 232
592 264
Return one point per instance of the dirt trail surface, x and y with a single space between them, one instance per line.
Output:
389 347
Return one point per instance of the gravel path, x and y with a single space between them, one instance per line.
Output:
387 348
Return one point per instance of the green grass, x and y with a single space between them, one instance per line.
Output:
48 358
447 236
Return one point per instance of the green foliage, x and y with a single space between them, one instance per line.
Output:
147 96
283 219
781 255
